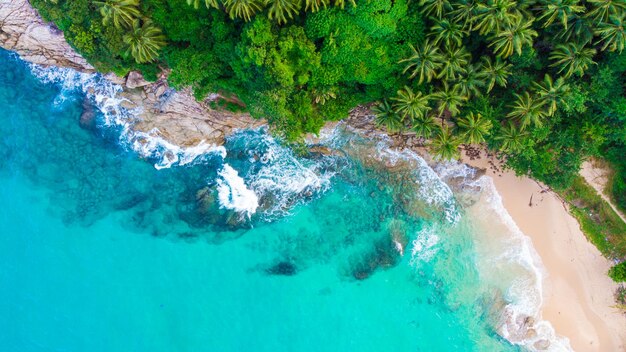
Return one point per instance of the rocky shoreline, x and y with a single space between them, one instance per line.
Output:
175 116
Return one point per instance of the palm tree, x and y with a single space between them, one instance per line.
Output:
425 126
528 110
561 10
471 83
448 32
244 9
474 128
144 41
424 62
445 145
387 117
493 15
281 9
449 99
122 12
314 5
579 29
495 72
511 138
454 64
603 9
552 93
513 37
207 3
613 33
322 95
464 12
435 7
572 58
410 104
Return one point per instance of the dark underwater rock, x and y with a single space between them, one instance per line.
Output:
88 117
282 268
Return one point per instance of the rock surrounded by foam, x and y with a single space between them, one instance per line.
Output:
233 192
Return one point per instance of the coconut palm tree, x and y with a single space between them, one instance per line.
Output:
425 126
447 32
552 93
474 128
435 8
243 9
445 145
387 117
121 12
144 41
603 9
528 110
495 72
572 58
511 138
448 99
424 62
411 105
613 33
279 10
207 3
493 15
455 61
471 83
314 5
559 10
513 37
464 12
579 29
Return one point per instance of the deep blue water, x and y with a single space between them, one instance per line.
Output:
100 251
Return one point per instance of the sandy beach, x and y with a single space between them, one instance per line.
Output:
578 294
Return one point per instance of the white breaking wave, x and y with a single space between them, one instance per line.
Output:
234 194
106 97
424 246
278 177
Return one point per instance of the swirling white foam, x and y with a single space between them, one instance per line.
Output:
234 194
276 173
106 97
424 246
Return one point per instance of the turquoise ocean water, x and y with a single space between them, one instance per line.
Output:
100 251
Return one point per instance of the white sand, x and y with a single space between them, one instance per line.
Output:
578 293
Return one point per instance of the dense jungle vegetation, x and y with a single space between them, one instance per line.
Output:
540 81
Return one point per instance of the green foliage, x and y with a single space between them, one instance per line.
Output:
144 41
618 272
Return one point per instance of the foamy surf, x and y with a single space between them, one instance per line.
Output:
234 194
106 97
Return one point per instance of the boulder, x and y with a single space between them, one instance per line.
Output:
134 80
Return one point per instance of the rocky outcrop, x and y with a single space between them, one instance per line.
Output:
22 30
179 118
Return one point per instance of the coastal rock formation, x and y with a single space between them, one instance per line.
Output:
179 118
22 30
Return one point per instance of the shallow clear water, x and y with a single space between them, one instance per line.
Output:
100 251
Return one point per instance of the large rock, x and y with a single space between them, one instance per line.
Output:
22 30
181 119
135 80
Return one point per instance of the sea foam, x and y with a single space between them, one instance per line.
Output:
233 192
106 97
